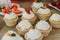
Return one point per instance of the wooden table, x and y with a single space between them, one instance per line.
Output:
54 34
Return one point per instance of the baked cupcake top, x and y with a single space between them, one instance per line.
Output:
28 14
44 10
42 25
23 25
55 17
33 34
11 35
37 4
10 16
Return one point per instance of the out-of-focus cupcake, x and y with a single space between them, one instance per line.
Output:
10 19
33 34
44 13
17 9
30 16
11 35
23 27
43 27
36 5
55 20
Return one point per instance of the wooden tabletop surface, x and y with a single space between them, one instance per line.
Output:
54 34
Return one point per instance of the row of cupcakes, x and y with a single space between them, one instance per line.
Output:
11 19
25 28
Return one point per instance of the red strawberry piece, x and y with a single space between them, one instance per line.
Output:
6 10
14 5
28 11
53 3
58 6
35 0
17 11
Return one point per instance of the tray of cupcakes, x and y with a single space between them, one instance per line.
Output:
27 27
8 8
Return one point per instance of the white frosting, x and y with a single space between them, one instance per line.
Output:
37 5
28 16
22 9
25 24
44 11
43 25
33 34
10 16
17 37
55 17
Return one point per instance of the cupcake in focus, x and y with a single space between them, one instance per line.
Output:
33 34
43 13
23 27
10 19
43 27
55 20
30 16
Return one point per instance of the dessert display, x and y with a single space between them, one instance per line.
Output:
43 27
33 34
36 5
37 22
11 35
29 15
55 20
23 27
55 4
44 13
10 19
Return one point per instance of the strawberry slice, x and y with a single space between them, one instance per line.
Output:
15 8
35 0
58 6
53 3
17 11
14 5
28 11
6 10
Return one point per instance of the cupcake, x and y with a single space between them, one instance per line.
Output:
33 34
23 27
55 20
36 5
17 9
29 15
43 13
10 19
11 35
43 27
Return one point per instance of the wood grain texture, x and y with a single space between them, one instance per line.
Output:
54 34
